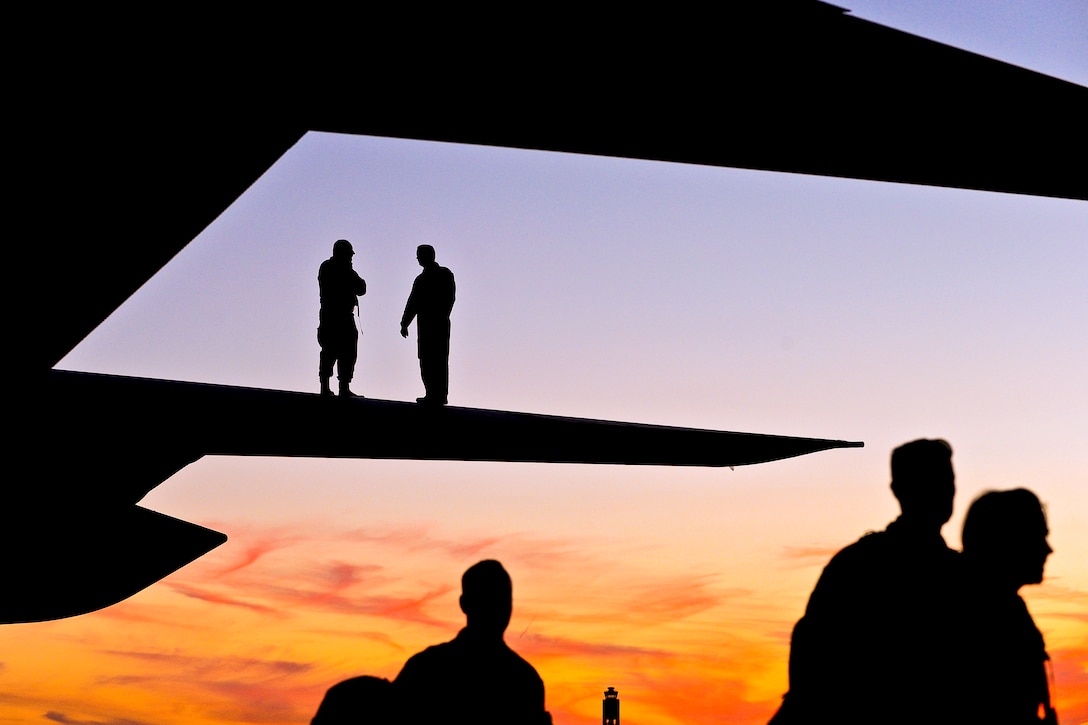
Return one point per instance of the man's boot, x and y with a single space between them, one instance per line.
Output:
345 391
326 391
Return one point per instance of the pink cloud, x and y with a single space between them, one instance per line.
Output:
216 598
559 647
197 664
697 700
245 689
247 554
810 554
1070 666
283 598
250 697
63 719
677 597
533 552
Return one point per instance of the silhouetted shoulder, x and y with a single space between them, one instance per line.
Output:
449 660
894 562
895 541
486 684
436 658
848 565
870 546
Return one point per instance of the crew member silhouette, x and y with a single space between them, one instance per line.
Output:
872 646
430 304
475 678
1003 657
337 334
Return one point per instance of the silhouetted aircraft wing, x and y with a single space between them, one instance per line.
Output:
67 561
162 426
83 543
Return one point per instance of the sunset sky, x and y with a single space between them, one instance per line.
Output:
605 288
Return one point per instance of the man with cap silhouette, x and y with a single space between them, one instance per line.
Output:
339 286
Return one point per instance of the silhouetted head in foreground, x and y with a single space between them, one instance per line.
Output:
342 250
487 598
1004 537
923 482
425 255
474 678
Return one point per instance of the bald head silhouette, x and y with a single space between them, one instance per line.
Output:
487 598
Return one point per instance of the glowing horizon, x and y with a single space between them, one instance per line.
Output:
258 629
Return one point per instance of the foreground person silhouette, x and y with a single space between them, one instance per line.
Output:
339 286
363 700
475 678
872 646
429 304
1004 657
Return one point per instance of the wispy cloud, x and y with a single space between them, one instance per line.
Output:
665 687
405 609
218 598
531 551
809 554
670 598
60 717
235 688
382 638
182 665
1071 682
251 548
1069 615
284 572
337 587
639 600
561 647
680 639
694 700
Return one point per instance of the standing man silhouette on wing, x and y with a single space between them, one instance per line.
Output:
340 287
430 304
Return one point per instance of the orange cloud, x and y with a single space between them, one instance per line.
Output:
695 700
244 689
1070 667
215 598
63 719
565 648
532 552
672 598
201 665
810 554
246 548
